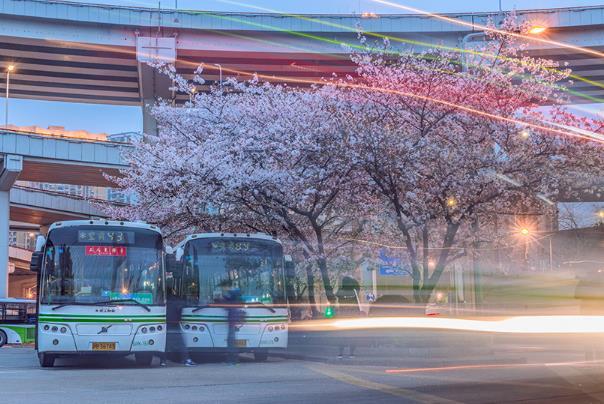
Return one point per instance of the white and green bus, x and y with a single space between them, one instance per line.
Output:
101 290
17 321
251 263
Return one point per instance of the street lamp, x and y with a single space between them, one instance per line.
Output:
9 69
525 233
537 30
220 70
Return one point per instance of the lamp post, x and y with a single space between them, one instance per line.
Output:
9 69
533 30
220 72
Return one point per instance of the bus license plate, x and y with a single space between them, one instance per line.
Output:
241 343
103 346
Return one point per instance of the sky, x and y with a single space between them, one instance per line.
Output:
115 119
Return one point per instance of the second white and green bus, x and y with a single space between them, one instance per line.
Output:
17 321
251 263
101 290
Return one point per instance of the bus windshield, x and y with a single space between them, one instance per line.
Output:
254 267
91 264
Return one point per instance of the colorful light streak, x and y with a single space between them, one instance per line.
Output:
356 46
592 137
563 324
490 366
475 26
411 42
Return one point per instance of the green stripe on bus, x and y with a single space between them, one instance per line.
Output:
204 316
226 321
23 331
102 315
101 320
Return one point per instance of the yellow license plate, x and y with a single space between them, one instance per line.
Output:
240 343
103 346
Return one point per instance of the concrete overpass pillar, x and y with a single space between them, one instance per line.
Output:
153 84
12 165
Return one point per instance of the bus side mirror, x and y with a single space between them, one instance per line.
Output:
179 253
36 261
40 241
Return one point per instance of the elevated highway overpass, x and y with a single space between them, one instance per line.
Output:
78 52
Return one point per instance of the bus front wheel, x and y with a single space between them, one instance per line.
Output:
143 359
46 360
3 338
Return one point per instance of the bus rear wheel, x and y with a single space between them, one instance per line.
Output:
143 359
261 356
46 360
3 338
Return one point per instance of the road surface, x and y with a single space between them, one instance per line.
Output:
298 381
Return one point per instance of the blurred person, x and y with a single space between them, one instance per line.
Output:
232 299
174 338
348 306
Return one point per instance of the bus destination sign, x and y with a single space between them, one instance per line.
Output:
105 251
106 236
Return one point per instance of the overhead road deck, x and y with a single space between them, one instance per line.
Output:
64 160
44 208
66 51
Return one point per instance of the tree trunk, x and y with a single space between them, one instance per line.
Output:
322 263
432 281
310 279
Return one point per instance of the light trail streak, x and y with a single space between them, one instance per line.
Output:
414 42
490 366
563 324
352 46
384 90
489 29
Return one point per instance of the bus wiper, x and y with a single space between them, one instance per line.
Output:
73 304
266 306
197 308
144 306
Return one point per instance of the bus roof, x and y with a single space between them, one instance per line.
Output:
16 300
102 222
257 236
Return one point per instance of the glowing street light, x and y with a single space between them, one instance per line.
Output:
451 202
537 30
9 70
601 214
525 232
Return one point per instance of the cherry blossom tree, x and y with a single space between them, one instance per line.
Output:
448 149
263 157
414 143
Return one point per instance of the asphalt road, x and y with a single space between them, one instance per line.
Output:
565 380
